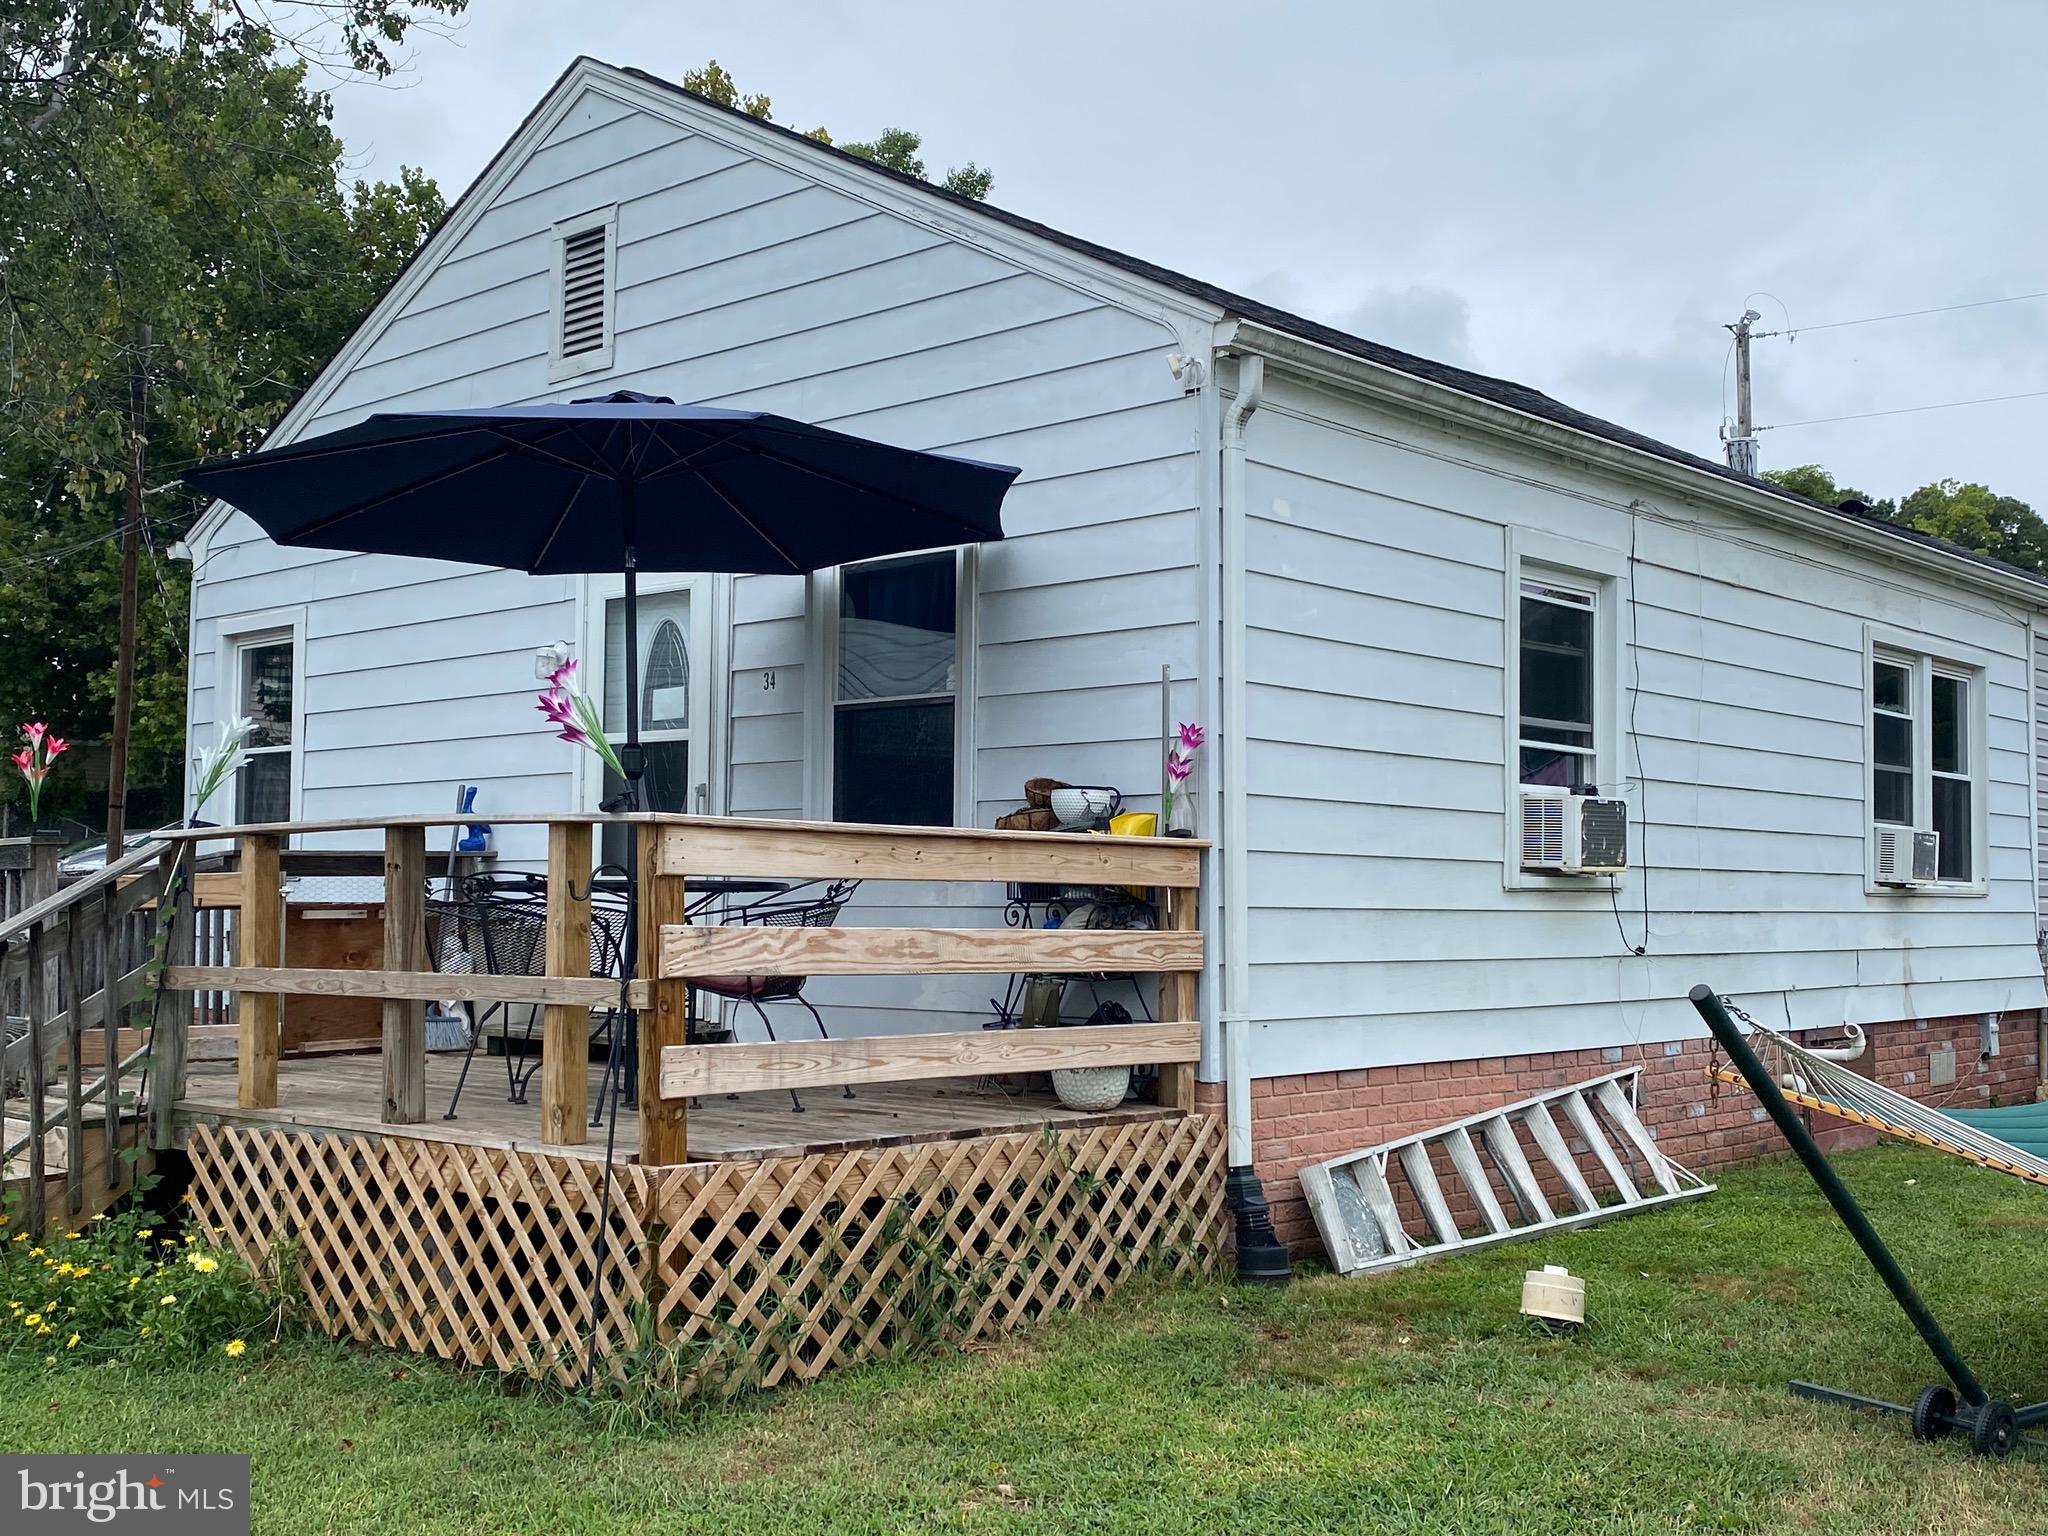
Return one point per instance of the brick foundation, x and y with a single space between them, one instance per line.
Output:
1698 1122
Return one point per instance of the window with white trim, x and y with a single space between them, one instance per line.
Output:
265 686
1557 684
583 316
896 691
1926 755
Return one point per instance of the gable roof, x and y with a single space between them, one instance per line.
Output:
1500 392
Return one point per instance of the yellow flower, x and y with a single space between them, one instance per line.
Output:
203 1264
134 1281
146 1231
191 1238
35 1253
101 1217
233 1349
21 1237
72 1342
43 1330
169 1301
32 1319
69 1235
49 1359
145 1330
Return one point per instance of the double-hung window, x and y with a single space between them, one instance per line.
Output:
896 691
265 685
1566 608
1927 756
1557 684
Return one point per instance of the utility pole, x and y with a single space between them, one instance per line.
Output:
124 665
1742 441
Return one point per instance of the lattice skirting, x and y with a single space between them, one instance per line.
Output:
751 1273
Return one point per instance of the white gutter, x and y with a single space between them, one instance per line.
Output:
1248 340
1236 1012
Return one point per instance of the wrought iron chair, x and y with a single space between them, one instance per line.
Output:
496 925
813 904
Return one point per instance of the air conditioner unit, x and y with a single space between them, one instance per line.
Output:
1906 856
1571 834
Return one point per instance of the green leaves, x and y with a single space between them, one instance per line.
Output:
1965 513
177 213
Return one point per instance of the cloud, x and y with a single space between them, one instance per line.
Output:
1431 322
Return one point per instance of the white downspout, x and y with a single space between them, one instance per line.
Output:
1236 1012
1260 1257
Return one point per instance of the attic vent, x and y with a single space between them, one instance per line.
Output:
583 297
583 293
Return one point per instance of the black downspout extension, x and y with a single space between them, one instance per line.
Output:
1261 1257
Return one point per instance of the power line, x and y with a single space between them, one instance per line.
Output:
1906 410
1904 314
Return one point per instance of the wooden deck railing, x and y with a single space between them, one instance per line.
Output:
673 850
72 968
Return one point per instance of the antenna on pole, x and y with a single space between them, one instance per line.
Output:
1741 441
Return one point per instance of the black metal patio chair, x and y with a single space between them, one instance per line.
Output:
496 924
812 904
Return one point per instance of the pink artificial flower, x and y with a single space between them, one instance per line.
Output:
1179 767
33 730
575 734
1192 737
24 759
557 706
562 676
57 746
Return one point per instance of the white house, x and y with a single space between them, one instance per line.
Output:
1403 593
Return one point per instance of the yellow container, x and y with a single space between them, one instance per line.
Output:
1135 824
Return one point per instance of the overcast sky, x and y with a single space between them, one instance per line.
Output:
1577 197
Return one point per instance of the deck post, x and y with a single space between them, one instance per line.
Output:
405 949
260 941
177 925
1178 1002
664 1123
565 1027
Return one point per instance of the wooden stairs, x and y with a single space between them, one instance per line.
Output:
1493 1177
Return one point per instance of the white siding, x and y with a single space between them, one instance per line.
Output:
746 283
1381 925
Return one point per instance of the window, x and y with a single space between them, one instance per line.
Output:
1925 762
265 687
584 295
665 718
1564 603
1556 687
895 695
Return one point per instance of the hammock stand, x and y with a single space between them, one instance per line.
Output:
1959 1406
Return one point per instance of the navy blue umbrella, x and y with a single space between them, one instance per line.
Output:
626 483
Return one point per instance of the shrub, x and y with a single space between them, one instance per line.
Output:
124 1287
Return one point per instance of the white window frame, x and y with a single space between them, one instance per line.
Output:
598 360
1602 575
821 690
709 598
1925 657
245 633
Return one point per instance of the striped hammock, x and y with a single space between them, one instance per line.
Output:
2011 1139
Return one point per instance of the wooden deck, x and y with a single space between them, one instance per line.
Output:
343 1093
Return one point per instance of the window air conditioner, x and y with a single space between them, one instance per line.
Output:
1573 834
1905 856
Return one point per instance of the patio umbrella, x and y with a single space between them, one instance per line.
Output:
626 483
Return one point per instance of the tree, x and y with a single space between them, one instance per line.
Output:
1965 513
1816 484
171 215
895 148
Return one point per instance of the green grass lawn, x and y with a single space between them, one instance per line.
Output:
1412 1402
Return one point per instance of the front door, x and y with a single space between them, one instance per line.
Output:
676 671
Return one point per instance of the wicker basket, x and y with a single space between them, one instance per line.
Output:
1038 792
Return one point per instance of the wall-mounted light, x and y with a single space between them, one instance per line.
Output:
551 656
1987 1036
